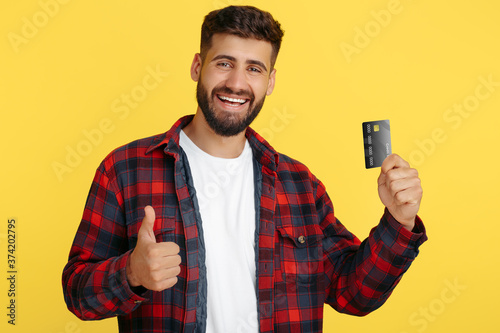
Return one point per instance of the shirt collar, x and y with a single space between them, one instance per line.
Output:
262 150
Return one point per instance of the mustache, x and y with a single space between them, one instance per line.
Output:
225 90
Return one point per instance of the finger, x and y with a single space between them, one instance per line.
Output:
403 184
172 272
167 273
169 283
147 227
164 249
408 196
164 284
381 178
400 173
393 161
161 264
172 261
162 255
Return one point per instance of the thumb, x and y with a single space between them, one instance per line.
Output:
146 231
381 178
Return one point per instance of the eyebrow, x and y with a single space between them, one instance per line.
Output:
231 58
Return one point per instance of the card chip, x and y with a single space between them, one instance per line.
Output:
375 128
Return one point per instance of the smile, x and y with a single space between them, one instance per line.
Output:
232 101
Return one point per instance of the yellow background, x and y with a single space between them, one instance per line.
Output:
64 76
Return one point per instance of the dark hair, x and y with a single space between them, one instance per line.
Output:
242 21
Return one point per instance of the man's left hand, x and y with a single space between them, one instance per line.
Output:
399 190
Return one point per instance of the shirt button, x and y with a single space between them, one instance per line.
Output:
301 239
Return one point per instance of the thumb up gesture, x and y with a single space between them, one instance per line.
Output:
153 265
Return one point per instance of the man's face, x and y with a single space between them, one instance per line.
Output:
233 82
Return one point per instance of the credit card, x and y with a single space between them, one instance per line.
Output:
377 141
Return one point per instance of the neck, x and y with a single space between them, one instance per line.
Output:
207 140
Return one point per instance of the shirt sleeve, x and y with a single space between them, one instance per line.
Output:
94 280
360 276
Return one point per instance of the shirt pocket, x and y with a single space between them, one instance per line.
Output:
301 254
164 227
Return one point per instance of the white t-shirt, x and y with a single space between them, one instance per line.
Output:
225 193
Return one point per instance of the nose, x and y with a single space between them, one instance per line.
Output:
236 80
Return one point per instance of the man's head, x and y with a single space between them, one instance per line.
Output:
244 22
235 67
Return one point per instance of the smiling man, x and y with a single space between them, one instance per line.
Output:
234 76
206 228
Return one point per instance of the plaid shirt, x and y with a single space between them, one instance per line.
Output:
305 256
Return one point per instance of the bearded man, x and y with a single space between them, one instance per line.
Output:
206 228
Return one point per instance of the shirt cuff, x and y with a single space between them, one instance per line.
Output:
400 240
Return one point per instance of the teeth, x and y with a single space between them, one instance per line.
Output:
232 100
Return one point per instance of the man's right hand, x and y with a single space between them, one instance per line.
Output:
153 265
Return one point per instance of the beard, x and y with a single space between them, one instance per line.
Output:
226 123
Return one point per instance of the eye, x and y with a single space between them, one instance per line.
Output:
224 64
255 70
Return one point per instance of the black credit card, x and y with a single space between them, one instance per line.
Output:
377 142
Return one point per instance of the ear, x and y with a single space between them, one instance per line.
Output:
270 84
196 67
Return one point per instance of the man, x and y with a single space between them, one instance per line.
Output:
166 248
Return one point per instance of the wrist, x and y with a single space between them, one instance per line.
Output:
408 224
132 281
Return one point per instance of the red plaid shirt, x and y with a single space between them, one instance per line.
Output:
305 256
